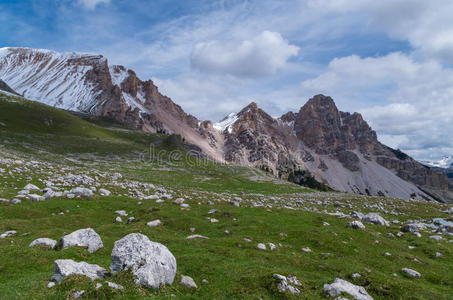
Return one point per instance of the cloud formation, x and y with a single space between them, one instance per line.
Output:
91 4
263 55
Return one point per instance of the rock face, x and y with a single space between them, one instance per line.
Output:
6 88
82 238
152 263
339 286
318 146
66 267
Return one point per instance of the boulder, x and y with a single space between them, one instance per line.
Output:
66 267
151 263
376 219
82 238
46 242
342 286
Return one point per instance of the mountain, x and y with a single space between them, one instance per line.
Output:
4 87
445 162
335 148
318 146
87 83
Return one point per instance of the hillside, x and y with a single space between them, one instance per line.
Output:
305 233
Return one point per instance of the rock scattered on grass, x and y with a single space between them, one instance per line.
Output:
357 225
8 234
342 286
45 242
197 236
411 273
188 282
261 246
66 267
287 284
82 238
151 263
154 223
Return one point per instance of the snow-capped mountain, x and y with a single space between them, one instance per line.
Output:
444 163
319 142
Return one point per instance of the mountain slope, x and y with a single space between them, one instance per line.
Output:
317 143
86 83
338 149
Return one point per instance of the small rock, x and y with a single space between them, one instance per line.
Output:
130 220
78 294
306 249
44 242
104 192
436 237
411 273
188 282
261 246
376 219
50 285
342 286
98 285
272 246
114 285
154 223
285 285
196 236
119 220
8 234
122 213
356 225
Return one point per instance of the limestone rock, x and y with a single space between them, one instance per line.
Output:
82 238
66 267
151 263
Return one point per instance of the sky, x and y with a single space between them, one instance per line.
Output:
390 60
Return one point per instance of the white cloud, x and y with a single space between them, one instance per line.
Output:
263 55
91 4
426 25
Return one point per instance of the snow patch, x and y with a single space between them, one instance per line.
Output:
226 123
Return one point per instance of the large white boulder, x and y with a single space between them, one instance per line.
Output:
83 238
152 263
339 286
66 267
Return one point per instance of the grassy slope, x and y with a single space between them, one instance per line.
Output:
233 272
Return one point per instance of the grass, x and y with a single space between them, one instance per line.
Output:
234 268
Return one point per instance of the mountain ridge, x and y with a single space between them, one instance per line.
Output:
338 149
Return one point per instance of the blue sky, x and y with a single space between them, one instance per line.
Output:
390 60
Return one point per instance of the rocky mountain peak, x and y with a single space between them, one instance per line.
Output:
322 127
